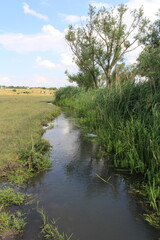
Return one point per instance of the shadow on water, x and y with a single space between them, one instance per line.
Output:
82 203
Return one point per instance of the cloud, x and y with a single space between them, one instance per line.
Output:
45 3
40 79
150 7
28 10
100 4
66 59
48 39
67 63
43 63
73 18
150 10
5 79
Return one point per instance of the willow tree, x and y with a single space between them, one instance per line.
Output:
105 38
82 44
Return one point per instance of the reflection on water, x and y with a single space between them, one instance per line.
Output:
81 203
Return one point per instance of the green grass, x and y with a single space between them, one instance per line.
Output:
21 123
12 222
9 197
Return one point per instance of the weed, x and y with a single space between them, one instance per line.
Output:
8 196
50 230
15 221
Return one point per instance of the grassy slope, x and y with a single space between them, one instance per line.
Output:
21 118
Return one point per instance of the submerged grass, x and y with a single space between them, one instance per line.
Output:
49 229
126 119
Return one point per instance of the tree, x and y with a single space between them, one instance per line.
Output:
104 40
149 59
82 44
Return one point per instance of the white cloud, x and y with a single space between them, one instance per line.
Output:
100 4
73 18
32 12
66 59
43 63
150 7
40 79
4 79
150 10
67 63
48 39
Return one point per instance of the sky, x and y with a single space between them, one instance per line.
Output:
33 50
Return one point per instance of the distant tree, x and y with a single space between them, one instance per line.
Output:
103 41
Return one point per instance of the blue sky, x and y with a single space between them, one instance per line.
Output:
33 51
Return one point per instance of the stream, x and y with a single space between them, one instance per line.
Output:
79 201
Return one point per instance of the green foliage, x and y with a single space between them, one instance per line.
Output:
34 157
50 230
126 119
67 92
9 197
20 176
14 221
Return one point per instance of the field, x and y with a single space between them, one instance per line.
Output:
26 91
22 117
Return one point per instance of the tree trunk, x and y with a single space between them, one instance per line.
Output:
108 80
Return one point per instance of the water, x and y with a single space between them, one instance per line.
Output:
72 194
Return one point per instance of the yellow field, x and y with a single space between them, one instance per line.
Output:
28 91
21 117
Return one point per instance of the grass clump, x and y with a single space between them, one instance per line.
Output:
11 223
14 222
50 230
9 197
126 119
20 176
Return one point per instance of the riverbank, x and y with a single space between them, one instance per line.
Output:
126 119
23 152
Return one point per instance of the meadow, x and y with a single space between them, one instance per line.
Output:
21 120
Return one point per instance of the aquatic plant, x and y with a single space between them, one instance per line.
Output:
15 221
9 196
49 228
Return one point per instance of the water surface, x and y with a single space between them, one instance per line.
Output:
72 194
